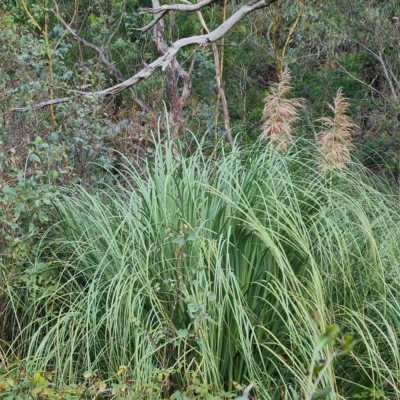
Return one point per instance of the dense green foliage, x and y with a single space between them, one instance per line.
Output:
129 271
333 45
217 271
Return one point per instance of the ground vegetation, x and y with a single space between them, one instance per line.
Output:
199 200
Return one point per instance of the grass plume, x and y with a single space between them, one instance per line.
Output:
279 113
335 141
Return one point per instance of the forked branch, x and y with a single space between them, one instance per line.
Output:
164 60
163 10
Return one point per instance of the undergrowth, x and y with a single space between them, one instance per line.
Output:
208 272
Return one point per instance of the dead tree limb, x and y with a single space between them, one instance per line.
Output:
163 10
43 104
164 60
100 51
180 7
178 90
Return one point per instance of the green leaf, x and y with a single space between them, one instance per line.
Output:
10 381
211 296
347 344
53 136
36 391
182 333
43 216
295 396
12 225
192 237
34 157
328 336
8 190
180 241
193 308
177 395
322 395
19 208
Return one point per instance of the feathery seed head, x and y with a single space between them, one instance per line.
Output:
335 141
279 113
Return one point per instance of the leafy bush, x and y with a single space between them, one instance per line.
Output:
26 195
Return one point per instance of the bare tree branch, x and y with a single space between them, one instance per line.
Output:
164 60
171 7
178 97
152 23
43 104
369 85
100 51
386 73
118 74
180 7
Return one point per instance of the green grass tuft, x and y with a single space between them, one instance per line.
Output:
220 271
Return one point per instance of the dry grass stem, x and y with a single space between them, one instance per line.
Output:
279 113
335 141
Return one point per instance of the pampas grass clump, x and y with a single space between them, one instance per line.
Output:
213 271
